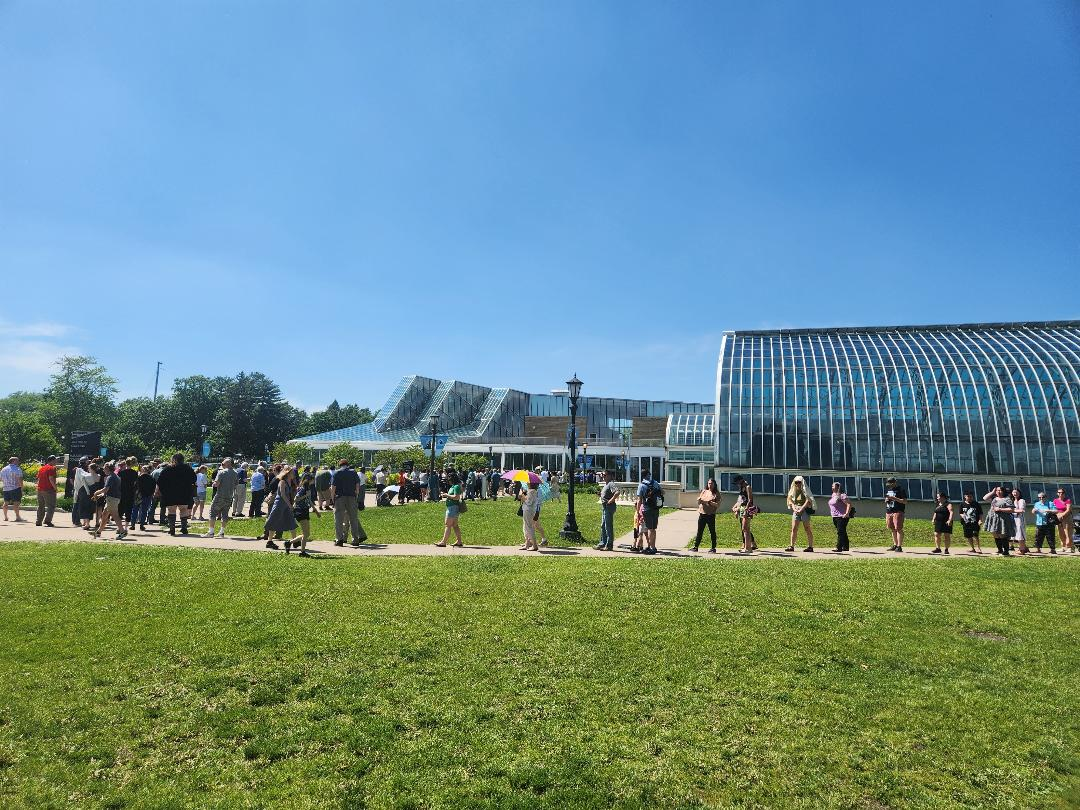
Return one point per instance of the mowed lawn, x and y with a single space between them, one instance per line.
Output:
188 678
485 523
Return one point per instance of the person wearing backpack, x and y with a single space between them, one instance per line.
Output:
651 497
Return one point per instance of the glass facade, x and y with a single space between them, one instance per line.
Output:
943 401
475 414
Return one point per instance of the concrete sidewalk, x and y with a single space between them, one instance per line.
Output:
674 531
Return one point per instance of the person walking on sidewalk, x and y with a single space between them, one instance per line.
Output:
110 489
11 477
708 503
345 489
801 503
281 518
303 505
454 498
840 510
46 492
609 497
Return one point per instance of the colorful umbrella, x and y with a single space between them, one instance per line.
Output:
524 476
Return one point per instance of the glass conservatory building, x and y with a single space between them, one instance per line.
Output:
944 407
521 430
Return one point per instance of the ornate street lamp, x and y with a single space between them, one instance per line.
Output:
570 529
433 423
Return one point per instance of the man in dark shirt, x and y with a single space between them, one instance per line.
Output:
128 474
345 489
895 504
176 488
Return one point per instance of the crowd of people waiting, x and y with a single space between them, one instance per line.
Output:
125 493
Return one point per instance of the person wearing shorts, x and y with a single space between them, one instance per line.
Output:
895 504
176 486
12 478
225 483
650 515
110 489
971 519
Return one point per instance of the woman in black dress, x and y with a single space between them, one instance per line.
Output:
943 522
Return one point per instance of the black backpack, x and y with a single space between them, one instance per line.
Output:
654 498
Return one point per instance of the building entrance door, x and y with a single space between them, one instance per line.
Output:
693 478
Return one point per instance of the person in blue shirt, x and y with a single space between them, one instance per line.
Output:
647 492
258 492
1045 523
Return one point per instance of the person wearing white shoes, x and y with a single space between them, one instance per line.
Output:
12 478
225 483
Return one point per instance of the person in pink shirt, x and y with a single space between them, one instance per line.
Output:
1064 510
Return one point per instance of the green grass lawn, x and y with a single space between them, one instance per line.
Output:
188 678
485 523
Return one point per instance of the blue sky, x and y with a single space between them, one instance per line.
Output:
509 192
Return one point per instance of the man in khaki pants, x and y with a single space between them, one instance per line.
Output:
46 491
344 490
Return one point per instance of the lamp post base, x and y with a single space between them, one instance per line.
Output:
570 530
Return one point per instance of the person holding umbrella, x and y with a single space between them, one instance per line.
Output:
529 496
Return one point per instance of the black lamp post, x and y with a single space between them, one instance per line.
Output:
433 423
203 457
570 529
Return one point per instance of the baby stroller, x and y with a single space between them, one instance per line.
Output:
410 491
1076 532
386 497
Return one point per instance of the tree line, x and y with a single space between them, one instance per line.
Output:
244 415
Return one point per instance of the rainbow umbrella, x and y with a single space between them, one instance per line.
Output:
524 476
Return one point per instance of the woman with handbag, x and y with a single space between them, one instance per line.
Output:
801 504
455 505
744 510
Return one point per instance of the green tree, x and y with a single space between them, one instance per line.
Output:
354 455
139 429
81 395
196 401
394 460
255 416
293 452
336 417
26 435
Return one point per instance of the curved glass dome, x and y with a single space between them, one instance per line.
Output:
964 399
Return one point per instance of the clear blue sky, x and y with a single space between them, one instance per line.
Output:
599 187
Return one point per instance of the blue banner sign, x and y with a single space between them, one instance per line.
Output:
440 442
206 449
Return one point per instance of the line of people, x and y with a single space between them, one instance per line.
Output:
1005 517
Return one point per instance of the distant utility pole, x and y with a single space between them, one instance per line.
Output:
157 376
